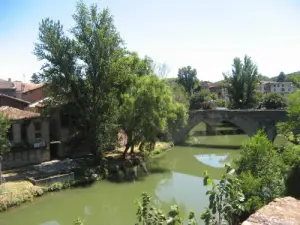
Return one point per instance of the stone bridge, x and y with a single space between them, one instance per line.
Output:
250 121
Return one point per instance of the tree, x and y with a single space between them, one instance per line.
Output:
198 98
161 70
147 108
4 142
178 92
281 77
241 83
87 69
187 77
274 101
35 78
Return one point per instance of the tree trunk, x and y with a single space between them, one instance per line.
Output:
126 150
132 149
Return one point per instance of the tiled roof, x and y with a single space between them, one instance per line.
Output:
25 87
30 87
4 84
16 99
16 114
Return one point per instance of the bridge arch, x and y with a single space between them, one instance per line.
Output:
248 121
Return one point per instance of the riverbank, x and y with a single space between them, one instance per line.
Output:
20 190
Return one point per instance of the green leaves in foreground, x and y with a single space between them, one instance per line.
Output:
225 199
150 215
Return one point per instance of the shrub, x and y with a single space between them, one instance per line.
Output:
198 98
274 101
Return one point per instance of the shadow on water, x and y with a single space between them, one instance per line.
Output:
219 132
230 147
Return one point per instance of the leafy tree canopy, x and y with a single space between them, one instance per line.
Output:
187 77
87 68
274 101
281 77
148 107
241 83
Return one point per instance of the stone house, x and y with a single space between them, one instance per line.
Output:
6 100
7 87
34 92
28 135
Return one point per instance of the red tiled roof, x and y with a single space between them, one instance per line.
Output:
11 113
25 87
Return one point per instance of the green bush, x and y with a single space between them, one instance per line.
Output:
198 98
274 101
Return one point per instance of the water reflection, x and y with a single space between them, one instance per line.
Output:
50 223
186 190
217 161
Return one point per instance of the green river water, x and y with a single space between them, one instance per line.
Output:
176 178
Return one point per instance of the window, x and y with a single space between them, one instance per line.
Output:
274 85
289 89
10 134
37 131
277 85
282 85
283 89
24 132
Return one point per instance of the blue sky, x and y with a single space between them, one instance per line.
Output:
204 34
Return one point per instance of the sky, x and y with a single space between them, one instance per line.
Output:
206 35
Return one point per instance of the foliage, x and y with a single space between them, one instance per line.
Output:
291 158
213 96
261 181
274 101
291 128
221 103
187 77
178 92
4 142
36 78
241 83
281 77
198 98
261 77
150 215
148 107
88 69
225 199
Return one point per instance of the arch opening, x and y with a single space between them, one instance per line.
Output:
223 134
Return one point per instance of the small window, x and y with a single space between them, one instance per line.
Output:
10 134
37 126
282 85
277 85
283 89
274 85
37 131
38 135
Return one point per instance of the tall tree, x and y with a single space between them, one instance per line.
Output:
241 83
87 69
281 77
187 77
35 78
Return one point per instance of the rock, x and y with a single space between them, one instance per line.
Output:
282 211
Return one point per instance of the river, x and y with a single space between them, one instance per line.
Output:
176 178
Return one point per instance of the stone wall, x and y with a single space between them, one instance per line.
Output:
26 157
282 211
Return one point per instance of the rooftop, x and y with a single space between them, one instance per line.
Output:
13 98
11 113
4 84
